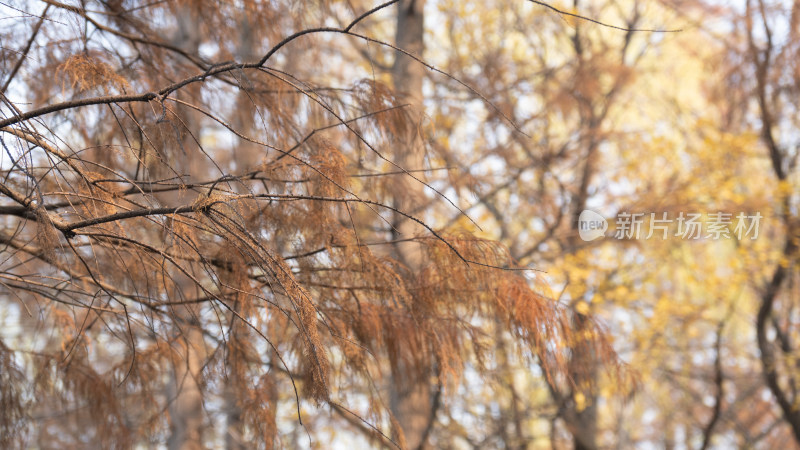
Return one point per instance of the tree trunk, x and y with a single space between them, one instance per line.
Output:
245 156
584 370
407 75
411 396
186 407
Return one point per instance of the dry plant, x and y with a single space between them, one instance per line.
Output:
189 243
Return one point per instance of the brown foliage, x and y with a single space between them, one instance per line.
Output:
129 224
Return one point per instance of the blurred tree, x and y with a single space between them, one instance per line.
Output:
762 77
570 84
638 122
